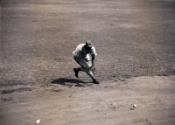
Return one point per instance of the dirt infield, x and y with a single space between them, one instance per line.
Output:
133 38
106 104
134 41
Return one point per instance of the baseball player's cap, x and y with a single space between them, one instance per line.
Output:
89 43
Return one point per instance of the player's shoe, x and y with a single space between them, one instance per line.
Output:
76 72
96 82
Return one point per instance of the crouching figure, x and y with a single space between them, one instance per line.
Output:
85 55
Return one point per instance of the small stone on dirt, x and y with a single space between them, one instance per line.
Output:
38 121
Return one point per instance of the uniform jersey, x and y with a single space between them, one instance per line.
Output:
78 52
82 57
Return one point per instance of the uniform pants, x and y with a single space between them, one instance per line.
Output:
85 66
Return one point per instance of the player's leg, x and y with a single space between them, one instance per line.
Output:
91 75
83 65
76 70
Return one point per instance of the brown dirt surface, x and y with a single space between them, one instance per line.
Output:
135 64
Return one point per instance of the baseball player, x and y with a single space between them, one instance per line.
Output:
85 55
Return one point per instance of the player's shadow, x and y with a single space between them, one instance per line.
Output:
69 82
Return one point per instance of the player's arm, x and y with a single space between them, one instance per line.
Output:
93 54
